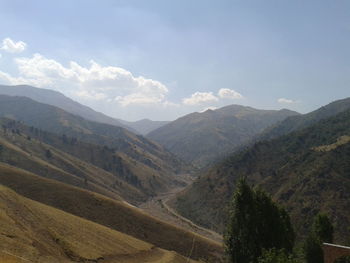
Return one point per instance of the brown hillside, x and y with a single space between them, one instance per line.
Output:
31 155
120 152
114 214
33 232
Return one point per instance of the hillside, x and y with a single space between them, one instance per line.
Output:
298 122
90 166
113 214
59 100
201 138
307 171
120 151
31 231
79 164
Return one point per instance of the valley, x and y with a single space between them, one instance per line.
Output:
158 206
162 197
174 131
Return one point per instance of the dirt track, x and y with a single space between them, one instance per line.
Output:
158 207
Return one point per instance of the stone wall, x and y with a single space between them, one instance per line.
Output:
332 252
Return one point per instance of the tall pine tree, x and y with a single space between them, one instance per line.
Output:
256 224
321 231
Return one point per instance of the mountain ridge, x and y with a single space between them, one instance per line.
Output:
291 168
293 123
124 152
57 99
201 138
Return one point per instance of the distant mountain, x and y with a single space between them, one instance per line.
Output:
145 126
307 171
298 122
132 158
57 99
201 138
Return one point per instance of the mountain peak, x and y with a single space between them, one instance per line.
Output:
201 137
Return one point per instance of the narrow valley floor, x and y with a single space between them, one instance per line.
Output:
158 207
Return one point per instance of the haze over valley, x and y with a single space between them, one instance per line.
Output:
150 131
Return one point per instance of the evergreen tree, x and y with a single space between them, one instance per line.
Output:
1 149
276 256
321 231
48 154
323 228
256 223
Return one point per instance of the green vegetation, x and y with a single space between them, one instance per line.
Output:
303 180
295 123
260 231
321 232
276 256
256 224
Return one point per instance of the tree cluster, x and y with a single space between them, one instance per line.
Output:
260 231
256 224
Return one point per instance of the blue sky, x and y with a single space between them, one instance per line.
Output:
162 59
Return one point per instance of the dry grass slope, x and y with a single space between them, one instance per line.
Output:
114 214
31 155
33 232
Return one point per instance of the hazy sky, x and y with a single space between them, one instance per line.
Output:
162 59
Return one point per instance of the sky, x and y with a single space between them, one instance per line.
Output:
163 59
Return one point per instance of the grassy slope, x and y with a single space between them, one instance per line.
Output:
31 231
297 174
111 213
30 155
140 150
115 171
203 137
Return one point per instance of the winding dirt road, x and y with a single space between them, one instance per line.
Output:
158 207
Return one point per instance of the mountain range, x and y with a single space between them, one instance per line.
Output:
202 138
306 170
64 166
57 99
127 156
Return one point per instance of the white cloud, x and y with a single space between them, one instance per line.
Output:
11 46
209 108
286 101
199 98
95 82
229 94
